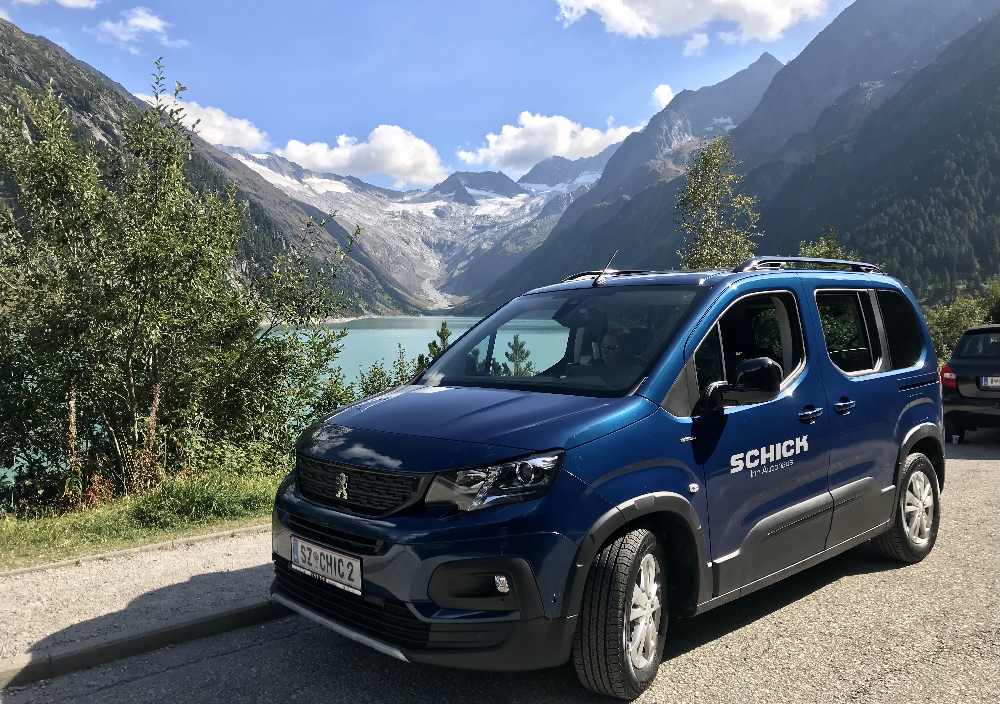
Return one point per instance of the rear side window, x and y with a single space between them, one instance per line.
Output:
902 331
983 344
849 329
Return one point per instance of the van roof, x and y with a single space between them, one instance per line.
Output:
752 267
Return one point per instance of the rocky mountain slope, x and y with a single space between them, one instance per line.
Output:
557 169
649 159
442 244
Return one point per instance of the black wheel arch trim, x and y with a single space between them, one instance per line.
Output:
915 435
616 518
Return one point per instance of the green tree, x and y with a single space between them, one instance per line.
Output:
828 246
992 300
948 321
719 222
518 358
378 378
131 331
435 348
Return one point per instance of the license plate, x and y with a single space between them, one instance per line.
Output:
332 567
990 382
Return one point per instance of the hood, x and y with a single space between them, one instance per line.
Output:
500 418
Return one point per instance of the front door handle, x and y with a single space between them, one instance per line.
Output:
844 406
810 414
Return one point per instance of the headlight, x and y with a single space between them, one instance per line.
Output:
517 480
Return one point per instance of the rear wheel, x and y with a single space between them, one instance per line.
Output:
623 619
918 509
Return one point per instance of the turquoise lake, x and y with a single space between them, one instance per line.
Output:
371 339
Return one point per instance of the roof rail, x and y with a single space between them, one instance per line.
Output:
603 272
774 263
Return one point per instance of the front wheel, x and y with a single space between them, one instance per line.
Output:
918 510
623 619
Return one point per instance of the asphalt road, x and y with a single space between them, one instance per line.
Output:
855 629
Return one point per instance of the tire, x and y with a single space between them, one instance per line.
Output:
600 645
905 542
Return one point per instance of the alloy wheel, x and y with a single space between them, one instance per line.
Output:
918 509
642 628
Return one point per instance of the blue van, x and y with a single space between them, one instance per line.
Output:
604 454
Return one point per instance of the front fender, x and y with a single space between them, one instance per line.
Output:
657 505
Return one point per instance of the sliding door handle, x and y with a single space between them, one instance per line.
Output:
810 414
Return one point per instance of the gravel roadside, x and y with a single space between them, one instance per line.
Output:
854 629
73 604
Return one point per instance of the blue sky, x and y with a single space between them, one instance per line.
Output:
403 92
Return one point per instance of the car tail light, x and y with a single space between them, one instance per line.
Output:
949 380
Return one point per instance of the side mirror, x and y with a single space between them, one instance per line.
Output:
757 380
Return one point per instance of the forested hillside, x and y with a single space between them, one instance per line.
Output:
918 189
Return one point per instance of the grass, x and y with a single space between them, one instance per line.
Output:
177 508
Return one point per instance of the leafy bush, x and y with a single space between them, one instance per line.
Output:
134 338
948 321
992 300
827 246
207 497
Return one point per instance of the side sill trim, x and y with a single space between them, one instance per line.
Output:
378 645
791 569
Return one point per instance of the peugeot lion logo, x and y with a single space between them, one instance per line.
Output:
341 487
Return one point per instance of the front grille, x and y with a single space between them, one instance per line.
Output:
368 492
386 620
336 539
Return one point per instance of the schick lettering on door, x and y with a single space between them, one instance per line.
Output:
768 458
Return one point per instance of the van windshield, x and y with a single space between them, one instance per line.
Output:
594 341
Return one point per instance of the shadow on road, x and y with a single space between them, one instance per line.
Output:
332 663
201 595
978 445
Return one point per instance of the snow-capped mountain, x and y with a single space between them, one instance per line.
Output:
431 241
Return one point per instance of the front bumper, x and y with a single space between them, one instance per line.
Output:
519 645
423 599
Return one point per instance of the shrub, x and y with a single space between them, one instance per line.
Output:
134 337
214 496
948 321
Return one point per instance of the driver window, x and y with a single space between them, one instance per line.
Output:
764 325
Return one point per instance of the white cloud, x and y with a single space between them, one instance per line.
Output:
72 4
516 148
389 150
662 95
216 126
765 20
4 15
695 45
134 25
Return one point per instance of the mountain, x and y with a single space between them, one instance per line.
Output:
487 182
441 244
558 169
99 108
870 41
916 187
799 142
646 160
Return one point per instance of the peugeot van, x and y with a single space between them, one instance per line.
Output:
601 456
